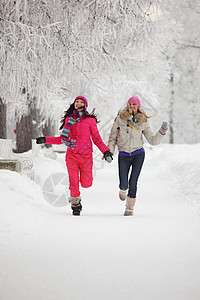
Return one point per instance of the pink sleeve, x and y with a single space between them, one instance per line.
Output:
55 140
97 138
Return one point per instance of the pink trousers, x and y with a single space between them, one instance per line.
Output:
79 168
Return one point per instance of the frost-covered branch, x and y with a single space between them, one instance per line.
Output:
79 45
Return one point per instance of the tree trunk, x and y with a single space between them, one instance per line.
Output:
2 120
171 111
48 130
24 134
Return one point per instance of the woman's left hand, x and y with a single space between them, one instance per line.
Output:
164 128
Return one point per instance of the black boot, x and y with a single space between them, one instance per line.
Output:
76 209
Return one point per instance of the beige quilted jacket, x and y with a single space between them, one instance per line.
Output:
128 135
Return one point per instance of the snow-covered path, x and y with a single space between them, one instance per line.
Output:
48 254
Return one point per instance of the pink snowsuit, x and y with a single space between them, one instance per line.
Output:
79 160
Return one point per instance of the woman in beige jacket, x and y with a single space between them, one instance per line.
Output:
127 133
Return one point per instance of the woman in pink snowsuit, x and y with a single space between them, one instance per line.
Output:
78 127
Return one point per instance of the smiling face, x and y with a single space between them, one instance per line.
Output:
134 108
79 105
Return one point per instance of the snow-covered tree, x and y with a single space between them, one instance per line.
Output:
56 49
182 94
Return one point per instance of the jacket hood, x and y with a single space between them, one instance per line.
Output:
125 115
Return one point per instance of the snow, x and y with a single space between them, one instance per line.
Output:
48 254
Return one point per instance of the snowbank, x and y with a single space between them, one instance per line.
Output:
46 253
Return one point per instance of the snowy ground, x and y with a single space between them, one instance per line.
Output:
48 254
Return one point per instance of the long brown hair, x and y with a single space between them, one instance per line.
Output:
70 112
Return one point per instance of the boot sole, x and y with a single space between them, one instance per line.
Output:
127 213
76 214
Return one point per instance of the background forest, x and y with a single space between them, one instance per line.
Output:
107 50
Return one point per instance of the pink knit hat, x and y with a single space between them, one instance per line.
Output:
83 99
134 100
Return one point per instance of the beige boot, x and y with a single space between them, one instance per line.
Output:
130 203
75 205
122 194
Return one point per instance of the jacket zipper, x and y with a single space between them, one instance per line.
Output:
128 131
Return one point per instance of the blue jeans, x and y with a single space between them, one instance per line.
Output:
125 163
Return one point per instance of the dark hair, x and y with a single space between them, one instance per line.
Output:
70 112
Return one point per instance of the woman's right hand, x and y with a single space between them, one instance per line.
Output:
108 156
41 140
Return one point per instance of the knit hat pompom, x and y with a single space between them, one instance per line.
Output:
83 99
134 100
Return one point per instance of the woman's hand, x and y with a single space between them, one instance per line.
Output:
41 140
108 156
164 128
